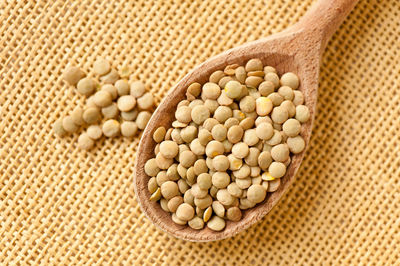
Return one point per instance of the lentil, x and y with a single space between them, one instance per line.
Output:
277 169
128 129
286 92
221 163
85 142
86 86
273 185
58 128
196 223
207 214
204 181
94 132
130 115
290 79
102 98
302 113
151 168
146 101
216 223
296 144
73 74
263 106
280 152
211 91
266 88
159 134
298 98
220 179
223 81
110 111
276 98
137 89
234 214
142 119
111 89
290 107
122 87
216 76
69 125
111 77
256 193
111 128
152 185
291 127
126 103
273 77
77 116
101 67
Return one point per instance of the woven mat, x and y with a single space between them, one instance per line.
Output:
62 205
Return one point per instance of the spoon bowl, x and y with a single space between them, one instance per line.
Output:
297 49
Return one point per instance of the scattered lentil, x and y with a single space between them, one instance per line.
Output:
130 115
73 74
111 89
111 128
69 125
102 98
137 89
85 142
86 86
122 87
111 77
58 128
76 115
101 66
94 132
128 129
146 101
110 111
142 119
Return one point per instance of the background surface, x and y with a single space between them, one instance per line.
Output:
61 205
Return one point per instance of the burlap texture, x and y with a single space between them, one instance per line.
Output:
61 205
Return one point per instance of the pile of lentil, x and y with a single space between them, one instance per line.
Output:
114 108
229 145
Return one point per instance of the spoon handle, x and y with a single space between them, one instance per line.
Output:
324 18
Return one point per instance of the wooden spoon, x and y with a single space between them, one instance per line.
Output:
297 49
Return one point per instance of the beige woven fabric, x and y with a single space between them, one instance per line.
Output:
61 205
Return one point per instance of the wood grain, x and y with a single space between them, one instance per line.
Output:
297 49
